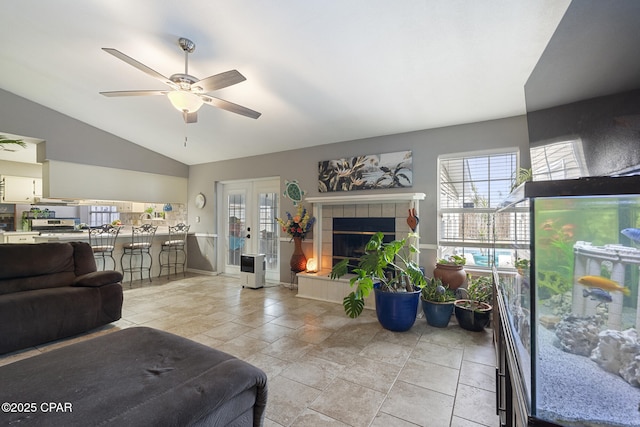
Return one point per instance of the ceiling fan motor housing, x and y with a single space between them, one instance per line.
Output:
185 82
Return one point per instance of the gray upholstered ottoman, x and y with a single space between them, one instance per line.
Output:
134 377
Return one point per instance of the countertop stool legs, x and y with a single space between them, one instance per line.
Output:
172 250
102 240
136 250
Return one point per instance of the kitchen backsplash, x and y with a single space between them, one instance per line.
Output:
177 215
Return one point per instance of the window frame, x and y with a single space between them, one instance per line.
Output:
448 246
95 210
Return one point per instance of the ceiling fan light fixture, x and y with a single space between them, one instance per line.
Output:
185 101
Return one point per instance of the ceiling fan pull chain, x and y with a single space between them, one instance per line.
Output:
185 134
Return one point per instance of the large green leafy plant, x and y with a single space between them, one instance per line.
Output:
389 264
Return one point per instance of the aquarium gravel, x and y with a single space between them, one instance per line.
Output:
574 391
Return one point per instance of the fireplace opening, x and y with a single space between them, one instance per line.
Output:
350 236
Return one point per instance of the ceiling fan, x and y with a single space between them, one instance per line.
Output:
187 93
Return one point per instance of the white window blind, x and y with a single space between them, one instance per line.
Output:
100 215
472 187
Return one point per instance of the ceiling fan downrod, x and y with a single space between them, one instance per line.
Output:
188 47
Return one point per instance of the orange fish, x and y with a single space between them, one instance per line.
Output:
603 283
547 225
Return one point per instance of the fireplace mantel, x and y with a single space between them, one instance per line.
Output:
365 198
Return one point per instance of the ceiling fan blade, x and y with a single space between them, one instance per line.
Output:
190 117
140 66
229 106
220 81
134 93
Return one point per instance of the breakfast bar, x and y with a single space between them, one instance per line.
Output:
124 236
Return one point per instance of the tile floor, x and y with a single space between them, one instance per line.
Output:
324 369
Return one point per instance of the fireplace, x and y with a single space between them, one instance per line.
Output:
350 236
392 207
354 210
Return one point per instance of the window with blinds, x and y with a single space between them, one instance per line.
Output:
100 215
472 187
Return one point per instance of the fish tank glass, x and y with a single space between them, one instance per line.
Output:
570 298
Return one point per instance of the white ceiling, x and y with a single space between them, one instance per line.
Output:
319 71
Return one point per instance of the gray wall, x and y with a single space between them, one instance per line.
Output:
70 140
302 165
73 141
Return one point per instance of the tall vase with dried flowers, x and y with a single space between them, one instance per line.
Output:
297 226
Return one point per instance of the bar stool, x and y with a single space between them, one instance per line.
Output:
172 248
102 240
139 246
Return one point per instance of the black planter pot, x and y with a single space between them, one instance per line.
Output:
472 315
437 314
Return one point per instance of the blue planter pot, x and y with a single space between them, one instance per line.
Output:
397 311
438 314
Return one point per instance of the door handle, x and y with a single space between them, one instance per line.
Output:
248 236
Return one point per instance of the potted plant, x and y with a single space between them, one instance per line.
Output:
388 269
522 265
451 271
437 302
474 311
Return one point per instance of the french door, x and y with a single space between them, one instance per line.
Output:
247 215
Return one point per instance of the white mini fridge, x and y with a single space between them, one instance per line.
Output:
252 270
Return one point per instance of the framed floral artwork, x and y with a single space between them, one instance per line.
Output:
372 171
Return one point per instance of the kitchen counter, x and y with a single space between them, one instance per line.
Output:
18 236
125 232
15 233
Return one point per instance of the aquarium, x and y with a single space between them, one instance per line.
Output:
569 303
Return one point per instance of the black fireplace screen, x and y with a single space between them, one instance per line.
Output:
350 236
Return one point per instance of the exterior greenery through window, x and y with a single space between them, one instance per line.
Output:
100 215
472 187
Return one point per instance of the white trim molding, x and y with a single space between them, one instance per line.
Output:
365 198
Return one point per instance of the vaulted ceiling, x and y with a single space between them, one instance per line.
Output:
319 71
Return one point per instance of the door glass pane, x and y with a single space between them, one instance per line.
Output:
268 237
236 213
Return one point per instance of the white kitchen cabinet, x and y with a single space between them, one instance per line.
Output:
20 189
130 207
37 187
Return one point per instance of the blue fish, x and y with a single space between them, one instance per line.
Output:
632 233
597 294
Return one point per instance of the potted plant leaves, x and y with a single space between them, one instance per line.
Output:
388 269
473 312
522 265
437 302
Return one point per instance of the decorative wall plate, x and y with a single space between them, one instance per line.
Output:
200 201
293 191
